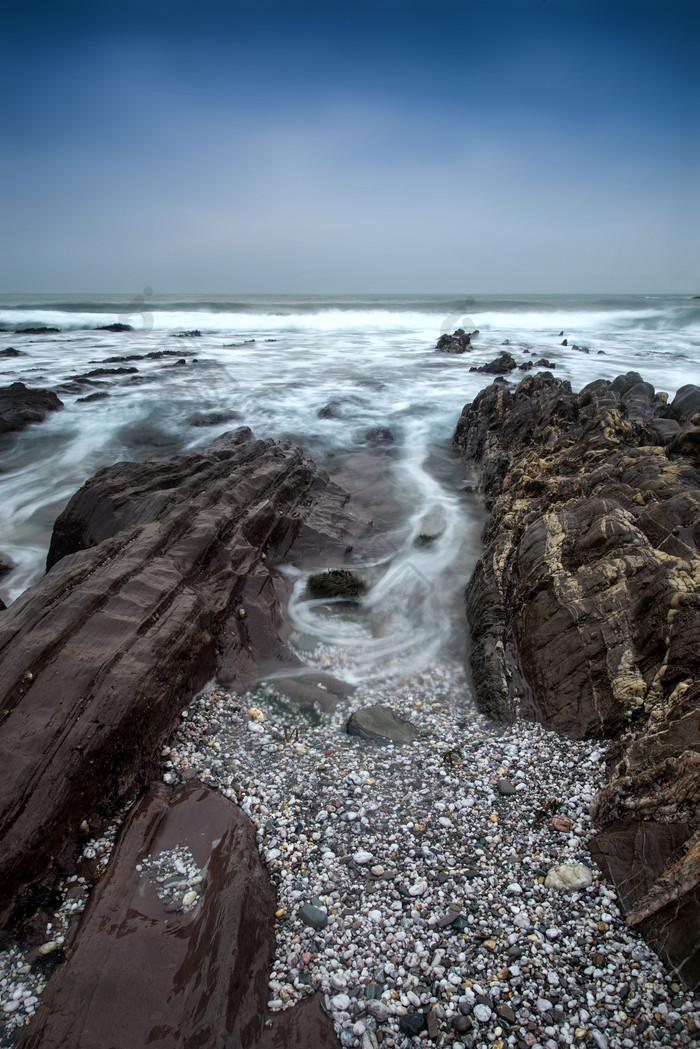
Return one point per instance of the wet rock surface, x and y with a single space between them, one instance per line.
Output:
501 365
585 607
160 578
20 405
458 342
194 977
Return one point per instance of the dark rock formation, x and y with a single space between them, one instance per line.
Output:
41 330
114 327
585 606
12 352
160 578
138 975
458 342
152 356
20 405
504 363
97 372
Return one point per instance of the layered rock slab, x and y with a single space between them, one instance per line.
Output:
160 578
137 975
585 606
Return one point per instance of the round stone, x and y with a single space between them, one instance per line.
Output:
362 856
314 917
568 877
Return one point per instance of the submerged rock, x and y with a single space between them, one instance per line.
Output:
380 435
150 564
381 725
20 405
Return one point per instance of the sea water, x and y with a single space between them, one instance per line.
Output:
323 372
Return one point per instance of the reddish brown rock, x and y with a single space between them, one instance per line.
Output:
20 405
153 564
585 613
137 975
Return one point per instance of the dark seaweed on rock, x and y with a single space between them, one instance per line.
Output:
337 582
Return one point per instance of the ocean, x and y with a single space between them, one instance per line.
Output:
324 372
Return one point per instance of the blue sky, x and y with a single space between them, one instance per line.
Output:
485 146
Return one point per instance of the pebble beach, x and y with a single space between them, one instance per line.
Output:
437 892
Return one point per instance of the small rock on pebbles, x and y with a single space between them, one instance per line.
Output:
412 1023
378 1010
568 877
482 1013
314 917
362 857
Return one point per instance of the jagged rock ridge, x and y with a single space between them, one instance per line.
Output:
585 605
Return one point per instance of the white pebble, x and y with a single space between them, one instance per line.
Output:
362 856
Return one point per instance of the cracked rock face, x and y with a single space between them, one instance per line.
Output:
150 567
585 606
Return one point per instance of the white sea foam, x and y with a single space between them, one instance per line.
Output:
323 375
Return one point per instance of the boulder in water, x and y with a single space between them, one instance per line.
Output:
504 363
20 406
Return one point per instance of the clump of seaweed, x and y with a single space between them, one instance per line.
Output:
425 539
336 582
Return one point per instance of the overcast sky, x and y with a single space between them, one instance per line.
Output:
481 145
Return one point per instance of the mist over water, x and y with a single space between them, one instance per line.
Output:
324 373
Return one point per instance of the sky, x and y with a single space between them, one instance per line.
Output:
489 146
